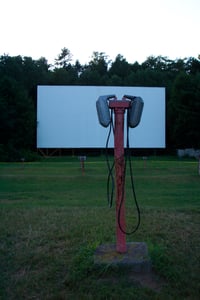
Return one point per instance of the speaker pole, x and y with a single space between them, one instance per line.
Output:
119 110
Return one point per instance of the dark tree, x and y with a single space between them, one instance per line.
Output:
120 67
95 73
99 63
64 58
184 111
17 119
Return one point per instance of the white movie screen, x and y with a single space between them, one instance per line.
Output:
67 117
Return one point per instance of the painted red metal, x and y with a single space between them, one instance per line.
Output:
119 107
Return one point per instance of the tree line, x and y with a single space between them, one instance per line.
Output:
19 77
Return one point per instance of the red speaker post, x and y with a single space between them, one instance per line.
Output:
119 110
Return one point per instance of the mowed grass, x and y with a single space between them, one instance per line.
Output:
53 217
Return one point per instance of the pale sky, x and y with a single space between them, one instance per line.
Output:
135 29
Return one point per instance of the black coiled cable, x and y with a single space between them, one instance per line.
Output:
128 157
111 178
110 167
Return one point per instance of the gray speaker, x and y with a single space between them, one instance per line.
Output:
103 110
135 112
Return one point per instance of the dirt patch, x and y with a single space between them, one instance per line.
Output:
144 280
149 280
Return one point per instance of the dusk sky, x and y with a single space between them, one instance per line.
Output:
135 29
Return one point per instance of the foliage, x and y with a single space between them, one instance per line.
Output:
19 77
63 58
185 111
17 117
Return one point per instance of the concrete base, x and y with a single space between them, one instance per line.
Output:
136 256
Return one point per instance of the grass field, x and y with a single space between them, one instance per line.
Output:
52 218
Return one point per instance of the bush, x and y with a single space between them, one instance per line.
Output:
11 154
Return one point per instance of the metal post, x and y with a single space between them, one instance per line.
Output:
119 110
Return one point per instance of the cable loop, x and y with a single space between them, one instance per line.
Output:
111 177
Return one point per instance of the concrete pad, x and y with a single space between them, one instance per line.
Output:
136 256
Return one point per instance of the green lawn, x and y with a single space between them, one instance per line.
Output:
53 217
